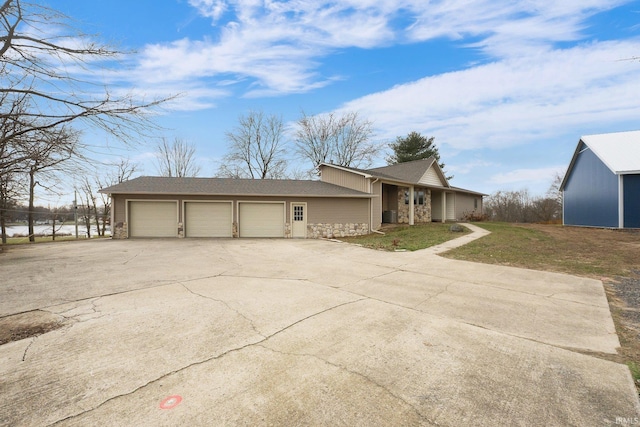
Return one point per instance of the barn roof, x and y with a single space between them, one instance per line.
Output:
620 151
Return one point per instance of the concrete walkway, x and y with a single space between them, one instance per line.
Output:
476 233
281 332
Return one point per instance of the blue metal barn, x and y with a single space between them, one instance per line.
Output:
602 185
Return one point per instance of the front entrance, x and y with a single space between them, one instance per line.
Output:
299 220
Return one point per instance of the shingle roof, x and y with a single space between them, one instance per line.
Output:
620 151
405 172
230 187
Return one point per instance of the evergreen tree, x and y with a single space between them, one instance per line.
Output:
412 147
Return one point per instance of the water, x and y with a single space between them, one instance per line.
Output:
46 230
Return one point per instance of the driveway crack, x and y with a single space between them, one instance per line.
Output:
368 379
226 304
203 361
24 355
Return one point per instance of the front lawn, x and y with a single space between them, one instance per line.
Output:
405 237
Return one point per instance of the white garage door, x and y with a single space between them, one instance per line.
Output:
261 219
153 219
207 219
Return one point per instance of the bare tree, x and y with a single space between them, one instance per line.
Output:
344 140
520 206
42 90
554 191
10 192
256 148
120 172
176 158
48 151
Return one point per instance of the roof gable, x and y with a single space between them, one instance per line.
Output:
619 151
423 171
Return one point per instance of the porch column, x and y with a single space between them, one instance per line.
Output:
411 205
444 206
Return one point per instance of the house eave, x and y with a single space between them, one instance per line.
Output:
240 195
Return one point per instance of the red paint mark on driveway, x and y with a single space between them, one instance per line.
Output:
170 402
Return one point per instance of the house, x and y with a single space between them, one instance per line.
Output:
602 185
345 201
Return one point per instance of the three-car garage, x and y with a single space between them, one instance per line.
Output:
161 218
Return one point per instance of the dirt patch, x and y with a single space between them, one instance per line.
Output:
30 324
624 301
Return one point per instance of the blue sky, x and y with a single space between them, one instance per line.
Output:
506 87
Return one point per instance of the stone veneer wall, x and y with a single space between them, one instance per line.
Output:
120 231
421 213
331 231
315 231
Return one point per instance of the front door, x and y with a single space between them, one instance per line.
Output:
299 220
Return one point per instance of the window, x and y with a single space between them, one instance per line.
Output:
475 203
418 197
298 213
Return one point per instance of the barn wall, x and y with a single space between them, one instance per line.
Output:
591 193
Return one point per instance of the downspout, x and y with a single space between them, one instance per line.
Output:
371 208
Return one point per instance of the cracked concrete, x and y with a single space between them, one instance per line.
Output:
275 332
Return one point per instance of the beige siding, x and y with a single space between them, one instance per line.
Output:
337 211
431 177
118 204
345 179
465 204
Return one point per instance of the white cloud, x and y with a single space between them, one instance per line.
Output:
513 101
278 45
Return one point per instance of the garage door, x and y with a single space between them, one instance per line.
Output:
207 219
153 219
261 219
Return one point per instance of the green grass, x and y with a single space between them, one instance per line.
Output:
410 238
579 251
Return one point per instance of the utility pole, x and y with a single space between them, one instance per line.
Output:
75 209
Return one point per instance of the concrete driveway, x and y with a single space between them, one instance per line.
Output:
283 332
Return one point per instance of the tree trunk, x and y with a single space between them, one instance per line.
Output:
105 215
3 224
97 217
32 186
